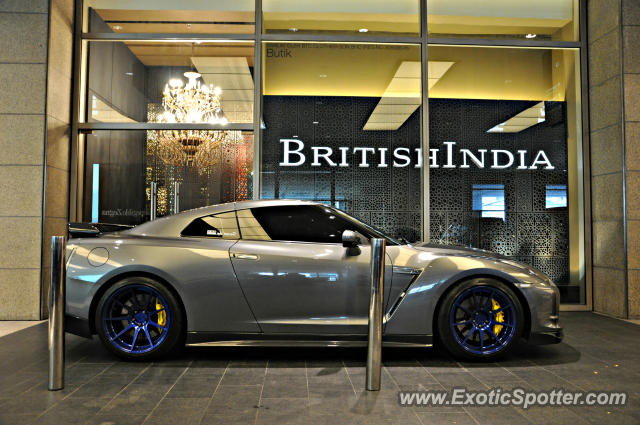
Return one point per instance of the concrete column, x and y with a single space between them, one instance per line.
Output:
614 90
35 71
23 70
59 71
631 95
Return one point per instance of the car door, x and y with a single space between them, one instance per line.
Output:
214 298
296 274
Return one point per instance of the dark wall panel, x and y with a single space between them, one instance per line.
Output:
531 232
388 198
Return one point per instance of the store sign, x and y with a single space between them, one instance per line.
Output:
498 159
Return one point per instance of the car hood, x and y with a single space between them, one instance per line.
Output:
462 251
458 250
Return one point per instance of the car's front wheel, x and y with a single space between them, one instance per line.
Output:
480 318
139 318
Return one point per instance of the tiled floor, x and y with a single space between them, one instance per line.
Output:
314 386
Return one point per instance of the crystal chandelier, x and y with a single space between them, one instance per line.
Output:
193 103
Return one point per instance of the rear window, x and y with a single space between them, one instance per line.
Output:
217 226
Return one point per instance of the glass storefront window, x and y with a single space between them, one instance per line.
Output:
505 153
504 19
130 81
171 17
348 17
333 115
120 166
341 120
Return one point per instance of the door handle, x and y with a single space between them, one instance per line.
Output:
241 256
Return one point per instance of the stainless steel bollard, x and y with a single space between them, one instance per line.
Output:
374 350
153 188
176 197
57 295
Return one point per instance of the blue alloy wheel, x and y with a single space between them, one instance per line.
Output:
482 320
136 319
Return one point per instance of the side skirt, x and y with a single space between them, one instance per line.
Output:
222 339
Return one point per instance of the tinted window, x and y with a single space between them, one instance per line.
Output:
305 223
222 226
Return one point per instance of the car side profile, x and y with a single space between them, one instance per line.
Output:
282 272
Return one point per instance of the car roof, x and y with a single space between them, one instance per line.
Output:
172 225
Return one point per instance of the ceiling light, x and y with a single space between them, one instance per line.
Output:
322 75
363 30
128 73
521 121
117 27
295 136
293 29
530 35
316 122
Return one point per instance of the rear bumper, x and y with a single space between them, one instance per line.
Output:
549 337
77 326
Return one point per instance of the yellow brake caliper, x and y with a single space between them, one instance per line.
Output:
162 316
499 316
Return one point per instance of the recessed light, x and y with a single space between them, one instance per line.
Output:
316 122
530 35
363 30
293 29
117 27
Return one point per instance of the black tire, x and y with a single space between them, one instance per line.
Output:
170 343
508 336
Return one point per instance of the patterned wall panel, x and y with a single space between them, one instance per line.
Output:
530 231
389 198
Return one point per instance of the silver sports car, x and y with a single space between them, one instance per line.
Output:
283 272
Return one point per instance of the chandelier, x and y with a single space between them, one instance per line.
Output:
193 103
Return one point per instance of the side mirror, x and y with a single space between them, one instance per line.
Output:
350 239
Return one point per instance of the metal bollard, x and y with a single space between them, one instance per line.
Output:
374 350
176 197
153 188
57 295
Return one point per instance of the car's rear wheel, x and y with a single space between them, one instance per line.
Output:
139 318
480 319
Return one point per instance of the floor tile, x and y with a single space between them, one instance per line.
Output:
436 418
194 387
285 386
186 411
116 419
